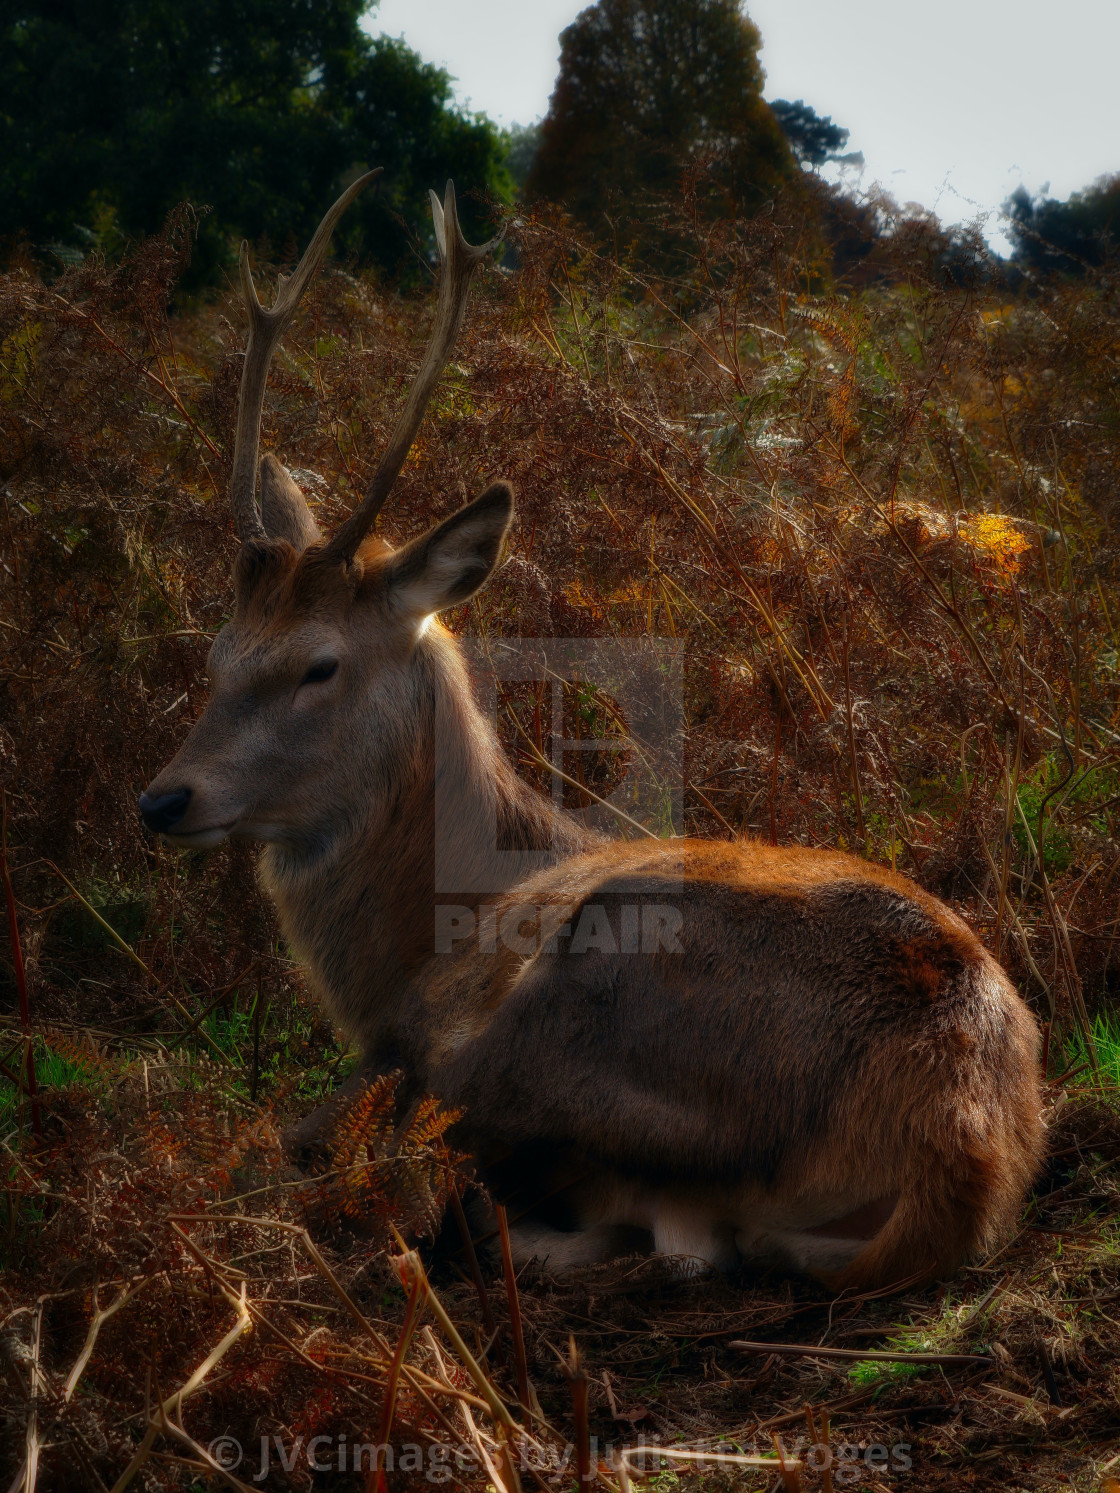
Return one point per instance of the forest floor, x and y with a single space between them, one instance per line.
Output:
166 1205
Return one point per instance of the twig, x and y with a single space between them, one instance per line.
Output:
21 973
807 1350
127 949
441 1380
196 1022
101 1315
619 1468
377 1481
514 1310
826 1473
309 1244
171 1428
147 373
581 1388
472 1257
418 1380
542 761
39 1387
498 1411
791 1476
711 808
171 1406
789 1417
497 1481
719 1459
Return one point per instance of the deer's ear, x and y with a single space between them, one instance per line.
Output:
450 563
284 512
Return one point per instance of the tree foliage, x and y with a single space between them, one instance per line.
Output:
646 87
1049 234
813 137
112 111
523 141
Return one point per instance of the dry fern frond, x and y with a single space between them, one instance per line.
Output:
380 1172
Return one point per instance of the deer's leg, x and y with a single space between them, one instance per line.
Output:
824 1247
802 1250
561 1250
692 1238
583 1217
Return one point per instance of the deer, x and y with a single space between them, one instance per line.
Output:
725 1053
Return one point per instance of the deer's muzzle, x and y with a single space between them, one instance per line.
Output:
163 813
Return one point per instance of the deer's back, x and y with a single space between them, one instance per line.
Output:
793 995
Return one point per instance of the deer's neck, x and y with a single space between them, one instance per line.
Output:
446 824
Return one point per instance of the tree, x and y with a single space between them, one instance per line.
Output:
111 111
1049 234
523 141
813 137
647 87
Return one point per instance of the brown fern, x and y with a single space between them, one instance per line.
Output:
381 1172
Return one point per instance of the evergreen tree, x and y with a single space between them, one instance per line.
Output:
813 137
646 87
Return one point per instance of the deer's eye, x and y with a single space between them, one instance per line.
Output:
319 673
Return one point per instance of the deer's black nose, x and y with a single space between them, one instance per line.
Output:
163 813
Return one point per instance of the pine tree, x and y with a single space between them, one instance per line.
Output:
647 87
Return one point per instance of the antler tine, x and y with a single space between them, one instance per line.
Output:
265 330
460 260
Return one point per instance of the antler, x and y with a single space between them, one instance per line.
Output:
265 330
460 260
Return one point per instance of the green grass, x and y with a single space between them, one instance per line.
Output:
286 1048
52 1071
291 1048
1106 1040
1083 792
871 1372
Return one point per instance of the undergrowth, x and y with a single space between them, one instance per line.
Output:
1106 1051
880 515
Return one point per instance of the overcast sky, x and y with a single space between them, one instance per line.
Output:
953 104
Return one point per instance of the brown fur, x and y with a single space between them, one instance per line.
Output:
828 1045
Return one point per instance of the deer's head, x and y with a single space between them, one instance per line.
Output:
312 677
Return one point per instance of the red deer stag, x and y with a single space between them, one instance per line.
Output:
811 1062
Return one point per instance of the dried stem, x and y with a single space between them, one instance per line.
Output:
28 1070
514 1311
472 1256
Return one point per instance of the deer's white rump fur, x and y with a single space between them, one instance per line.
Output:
821 1067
